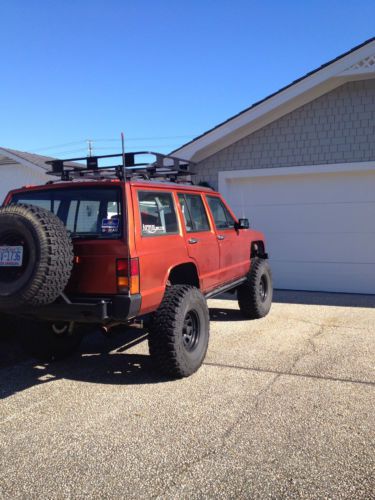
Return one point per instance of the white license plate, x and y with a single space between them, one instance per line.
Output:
11 256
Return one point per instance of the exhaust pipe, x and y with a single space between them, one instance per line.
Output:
106 329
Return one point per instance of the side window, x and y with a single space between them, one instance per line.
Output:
194 213
222 217
158 214
185 212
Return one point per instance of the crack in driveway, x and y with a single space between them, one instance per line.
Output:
292 374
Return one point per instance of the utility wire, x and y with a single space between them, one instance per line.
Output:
114 149
58 146
71 151
128 139
146 138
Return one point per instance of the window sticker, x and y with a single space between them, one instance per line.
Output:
152 229
110 225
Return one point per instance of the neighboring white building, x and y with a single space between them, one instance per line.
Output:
300 164
18 168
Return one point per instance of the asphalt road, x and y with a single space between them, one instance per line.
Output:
282 408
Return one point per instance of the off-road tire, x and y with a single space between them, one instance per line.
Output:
255 295
48 256
40 340
182 315
7 326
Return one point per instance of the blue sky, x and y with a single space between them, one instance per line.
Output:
161 71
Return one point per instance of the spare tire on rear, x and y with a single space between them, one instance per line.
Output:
43 253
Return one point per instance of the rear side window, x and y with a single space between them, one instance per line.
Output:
220 213
158 214
194 213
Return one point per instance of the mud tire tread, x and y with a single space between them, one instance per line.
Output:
165 331
55 263
247 294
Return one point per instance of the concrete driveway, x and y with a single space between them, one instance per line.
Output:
282 408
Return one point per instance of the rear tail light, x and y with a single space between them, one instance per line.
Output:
127 272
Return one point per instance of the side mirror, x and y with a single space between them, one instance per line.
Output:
242 224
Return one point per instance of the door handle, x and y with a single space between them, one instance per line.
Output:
192 241
220 237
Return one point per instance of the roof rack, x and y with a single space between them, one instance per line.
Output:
162 166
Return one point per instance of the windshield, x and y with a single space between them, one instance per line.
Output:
87 212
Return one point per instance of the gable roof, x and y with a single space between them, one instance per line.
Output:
31 160
355 64
23 156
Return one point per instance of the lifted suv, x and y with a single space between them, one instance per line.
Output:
109 245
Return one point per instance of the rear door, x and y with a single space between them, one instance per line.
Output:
201 240
160 242
233 243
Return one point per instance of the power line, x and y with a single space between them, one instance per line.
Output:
68 152
107 149
58 146
146 138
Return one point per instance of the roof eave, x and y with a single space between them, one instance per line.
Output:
286 100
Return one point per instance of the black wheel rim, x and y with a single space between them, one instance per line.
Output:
191 331
263 288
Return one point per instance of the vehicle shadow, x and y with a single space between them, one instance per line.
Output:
99 360
315 298
224 314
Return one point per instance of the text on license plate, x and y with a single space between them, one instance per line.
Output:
11 256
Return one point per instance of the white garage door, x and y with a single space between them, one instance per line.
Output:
319 227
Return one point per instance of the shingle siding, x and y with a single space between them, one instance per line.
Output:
338 127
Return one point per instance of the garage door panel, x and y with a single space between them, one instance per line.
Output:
338 217
322 247
354 278
307 188
319 227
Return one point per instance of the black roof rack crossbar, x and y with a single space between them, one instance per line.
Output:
166 166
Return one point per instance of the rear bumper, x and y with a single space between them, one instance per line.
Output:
89 309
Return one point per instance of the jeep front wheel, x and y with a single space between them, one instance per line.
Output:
255 295
179 332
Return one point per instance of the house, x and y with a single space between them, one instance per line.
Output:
300 164
18 168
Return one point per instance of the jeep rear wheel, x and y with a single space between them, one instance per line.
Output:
255 295
43 256
179 332
47 341
7 326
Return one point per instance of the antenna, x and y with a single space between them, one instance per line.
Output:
127 228
89 147
123 155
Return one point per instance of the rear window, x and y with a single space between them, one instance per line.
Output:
86 212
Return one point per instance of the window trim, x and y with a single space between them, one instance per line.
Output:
170 193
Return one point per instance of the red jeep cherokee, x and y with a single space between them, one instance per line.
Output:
108 245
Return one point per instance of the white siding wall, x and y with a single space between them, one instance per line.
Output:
14 176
